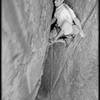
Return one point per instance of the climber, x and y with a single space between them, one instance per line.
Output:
66 20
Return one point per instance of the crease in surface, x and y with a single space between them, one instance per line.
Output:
72 46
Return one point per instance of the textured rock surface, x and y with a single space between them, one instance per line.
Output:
69 73
74 70
25 32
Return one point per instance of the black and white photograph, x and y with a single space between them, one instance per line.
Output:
49 49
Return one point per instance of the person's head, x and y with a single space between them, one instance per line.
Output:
58 2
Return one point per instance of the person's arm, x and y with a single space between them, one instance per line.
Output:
78 23
75 19
53 20
70 11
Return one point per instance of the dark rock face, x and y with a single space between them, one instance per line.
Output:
73 70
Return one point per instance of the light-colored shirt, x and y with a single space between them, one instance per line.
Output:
64 12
